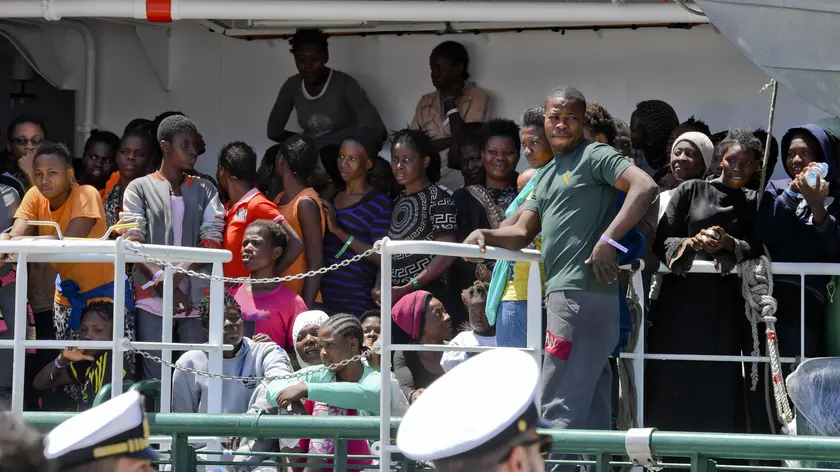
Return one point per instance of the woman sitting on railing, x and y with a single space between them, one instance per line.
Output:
419 318
702 313
78 212
88 369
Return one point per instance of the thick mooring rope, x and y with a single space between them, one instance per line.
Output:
760 307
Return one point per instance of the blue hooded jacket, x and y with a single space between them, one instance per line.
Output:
634 241
784 221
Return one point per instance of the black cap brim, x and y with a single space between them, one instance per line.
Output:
146 454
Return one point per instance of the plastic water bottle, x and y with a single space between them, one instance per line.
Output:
820 169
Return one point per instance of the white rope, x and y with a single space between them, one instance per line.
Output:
760 306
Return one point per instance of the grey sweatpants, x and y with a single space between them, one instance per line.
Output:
582 330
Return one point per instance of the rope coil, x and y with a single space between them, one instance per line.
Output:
760 307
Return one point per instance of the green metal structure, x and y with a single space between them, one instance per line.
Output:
601 449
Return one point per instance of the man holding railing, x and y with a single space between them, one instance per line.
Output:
574 205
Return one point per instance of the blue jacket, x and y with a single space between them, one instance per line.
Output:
784 222
634 241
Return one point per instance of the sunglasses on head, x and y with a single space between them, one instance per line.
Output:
543 440
23 140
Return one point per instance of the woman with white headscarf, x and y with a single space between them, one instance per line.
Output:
305 335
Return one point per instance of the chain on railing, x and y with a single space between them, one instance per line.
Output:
134 248
294 375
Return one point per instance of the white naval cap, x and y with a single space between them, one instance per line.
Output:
479 404
117 427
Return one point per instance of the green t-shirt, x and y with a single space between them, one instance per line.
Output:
576 199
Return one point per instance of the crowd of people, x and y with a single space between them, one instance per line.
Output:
596 193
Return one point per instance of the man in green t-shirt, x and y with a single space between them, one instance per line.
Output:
574 206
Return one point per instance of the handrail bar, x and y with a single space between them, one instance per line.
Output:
439 248
663 443
95 246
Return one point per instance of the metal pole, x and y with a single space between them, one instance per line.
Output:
19 353
639 351
119 319
385 360
217 320
534 326
167 322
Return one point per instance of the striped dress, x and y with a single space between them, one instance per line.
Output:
347 290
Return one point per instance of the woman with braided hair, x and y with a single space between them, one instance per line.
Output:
334 389
651 125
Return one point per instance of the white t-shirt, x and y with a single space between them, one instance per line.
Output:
466 338
177 205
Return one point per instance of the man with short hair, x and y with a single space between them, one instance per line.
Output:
574 204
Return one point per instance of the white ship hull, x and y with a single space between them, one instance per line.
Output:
794 41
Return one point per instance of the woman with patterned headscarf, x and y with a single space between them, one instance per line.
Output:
650 127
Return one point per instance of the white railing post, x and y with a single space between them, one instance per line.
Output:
117 359
385 359
216 338
534 325
801 317
639 350
166 354
19 353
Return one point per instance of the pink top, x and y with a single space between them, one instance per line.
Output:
272 314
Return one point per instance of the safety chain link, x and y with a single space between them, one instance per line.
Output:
294 375
136 249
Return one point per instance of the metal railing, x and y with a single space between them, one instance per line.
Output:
389 248
115 252
639 355
605 448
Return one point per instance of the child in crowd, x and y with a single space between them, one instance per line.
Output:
371 321
301 206
77 210
248 358
99 161
90 370
160 201
269 310
481 333
244 204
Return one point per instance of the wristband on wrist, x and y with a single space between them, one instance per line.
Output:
58 364
613 243
346 245
416 284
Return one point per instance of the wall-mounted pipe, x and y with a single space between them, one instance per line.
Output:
89 122
361 10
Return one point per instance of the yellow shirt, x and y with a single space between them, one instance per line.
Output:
83 202
516 289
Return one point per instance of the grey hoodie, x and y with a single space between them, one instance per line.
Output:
189 391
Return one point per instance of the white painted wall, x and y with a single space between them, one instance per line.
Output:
228 86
